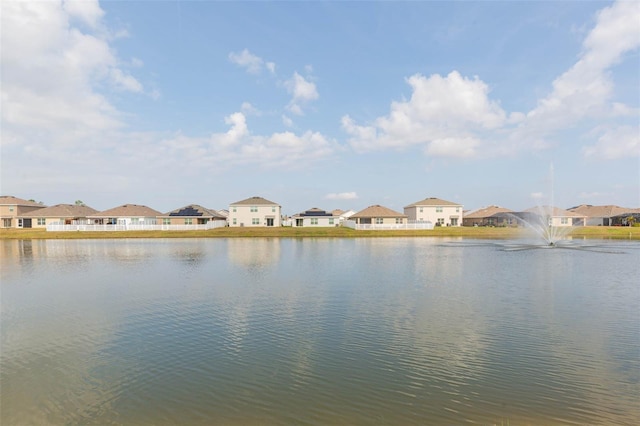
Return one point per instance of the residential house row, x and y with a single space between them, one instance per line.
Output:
260 212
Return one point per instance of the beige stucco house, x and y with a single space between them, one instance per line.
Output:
60 214
436 211
599 215
552 216
315 217
126 214
255 211
11 210
379 215
489 216
193 214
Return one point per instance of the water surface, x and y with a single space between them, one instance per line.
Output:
318 331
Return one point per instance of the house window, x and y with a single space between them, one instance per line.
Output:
253 209
420 209
255 221
398 220
166 221
314 220
42 221
135 220
234 221
188 221
438 209
441 221
330 221
273 209
6 223
379 220
234 209
457 209
564 220
10 208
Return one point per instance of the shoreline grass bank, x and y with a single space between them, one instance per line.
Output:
587 232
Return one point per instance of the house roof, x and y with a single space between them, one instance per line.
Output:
432 201
254 201
314 212
193 210
555 211
599 211
486 212
10 200
62 210
378 211
128 210
337 212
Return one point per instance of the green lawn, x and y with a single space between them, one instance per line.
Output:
337 232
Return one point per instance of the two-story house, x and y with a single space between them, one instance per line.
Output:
255 211
434 210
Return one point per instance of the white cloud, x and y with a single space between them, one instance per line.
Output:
537 195
341 196
88 11
617 143
302 91
252 63
585 90
444 115
249 109
287 121
453 116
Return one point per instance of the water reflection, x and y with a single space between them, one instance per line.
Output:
282 331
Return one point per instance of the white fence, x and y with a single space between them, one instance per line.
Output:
387 226
134 227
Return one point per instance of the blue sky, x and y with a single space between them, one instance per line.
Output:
321 104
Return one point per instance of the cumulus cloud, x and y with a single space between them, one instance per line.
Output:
616 143
302 91
252 63
443 115
51 68
454 116
341 196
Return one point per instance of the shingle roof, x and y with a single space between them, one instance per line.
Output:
432 201
486 212
128 210
10 200
599 211
555 211
194 210
378 211
254 201
62 210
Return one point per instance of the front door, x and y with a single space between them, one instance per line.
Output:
269 221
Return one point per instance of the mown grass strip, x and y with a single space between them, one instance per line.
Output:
337 232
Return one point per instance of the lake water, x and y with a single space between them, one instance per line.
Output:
391 331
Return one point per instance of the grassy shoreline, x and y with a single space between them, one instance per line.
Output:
587 232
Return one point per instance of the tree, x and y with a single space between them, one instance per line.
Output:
79 203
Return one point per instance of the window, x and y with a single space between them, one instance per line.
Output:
253 209
441 221
564 221
42 221
398 220
457 209
379 221
10 208
255 221
438 209
234 221
234 209
135 220
314 220
420 209
330 221
273 209
166 221
188 221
